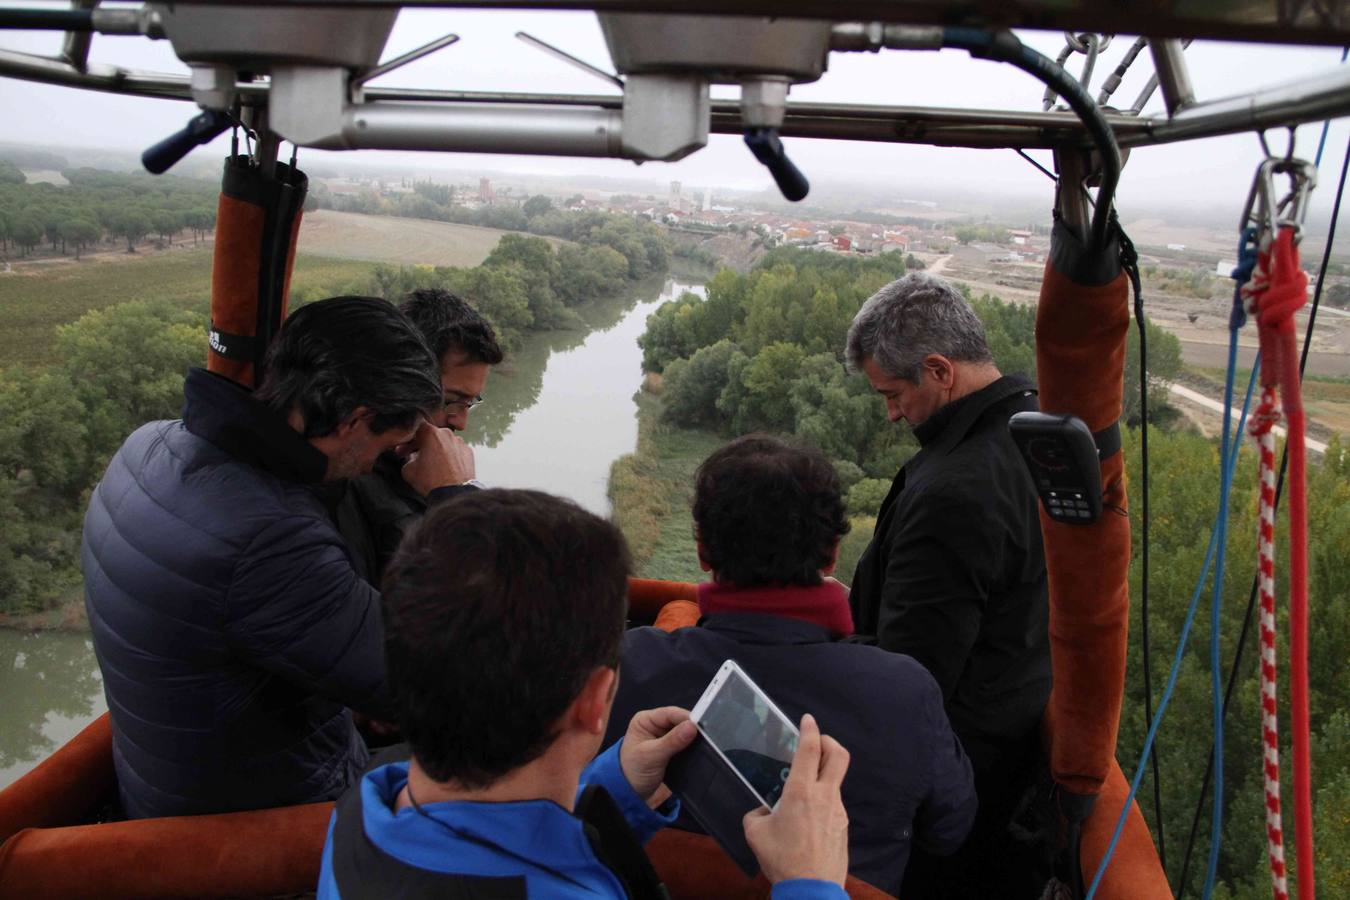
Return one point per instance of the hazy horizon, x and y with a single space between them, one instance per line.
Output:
1199 181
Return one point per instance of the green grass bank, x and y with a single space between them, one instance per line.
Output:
36 298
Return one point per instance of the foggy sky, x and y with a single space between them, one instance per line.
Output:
1212 173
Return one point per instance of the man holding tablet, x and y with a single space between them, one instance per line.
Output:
769 517
504 611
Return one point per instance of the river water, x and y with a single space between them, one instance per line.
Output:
557 415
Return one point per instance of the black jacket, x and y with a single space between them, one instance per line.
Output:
230 627
374 514
908 780
955 574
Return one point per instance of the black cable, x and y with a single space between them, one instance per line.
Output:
1279 491
47 19
1003 46
1022 153
1131 263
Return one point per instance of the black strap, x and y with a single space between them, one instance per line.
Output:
365 872
1107 440
239 347
616 846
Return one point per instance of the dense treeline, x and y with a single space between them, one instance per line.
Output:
97 206
763 352
122 366
526 284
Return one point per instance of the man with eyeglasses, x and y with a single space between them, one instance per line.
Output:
378 508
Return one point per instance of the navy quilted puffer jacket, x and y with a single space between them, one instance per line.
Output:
232 632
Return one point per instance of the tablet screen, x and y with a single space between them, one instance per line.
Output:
752 735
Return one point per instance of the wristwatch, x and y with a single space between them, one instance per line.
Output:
474 483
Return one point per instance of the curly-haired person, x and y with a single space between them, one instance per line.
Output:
769 517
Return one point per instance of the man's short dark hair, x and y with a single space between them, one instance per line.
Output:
449 323
768 512
497 608
335 355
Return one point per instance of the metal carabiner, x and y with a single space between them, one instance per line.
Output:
1265 212
1293 209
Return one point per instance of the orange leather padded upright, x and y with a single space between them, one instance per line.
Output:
234 280
646 596
257 223
1080 360
248 854
693 867
64 787
1134 872
677 614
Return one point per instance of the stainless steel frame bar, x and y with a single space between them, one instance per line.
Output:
1294 103
1313 99
1263 21
1173 76
552 130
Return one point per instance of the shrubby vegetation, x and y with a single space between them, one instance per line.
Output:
525 284
992 234
98 206
1181 282
763 353
642 244
59 425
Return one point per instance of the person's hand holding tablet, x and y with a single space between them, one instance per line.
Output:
806 833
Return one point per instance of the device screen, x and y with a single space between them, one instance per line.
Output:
752 735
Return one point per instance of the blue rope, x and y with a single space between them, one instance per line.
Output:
1326 126
1247 257
1236 320
1247 253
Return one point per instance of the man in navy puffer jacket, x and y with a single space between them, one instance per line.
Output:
233 634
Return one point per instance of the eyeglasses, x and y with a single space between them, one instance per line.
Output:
463 403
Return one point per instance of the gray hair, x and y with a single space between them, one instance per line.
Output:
910 318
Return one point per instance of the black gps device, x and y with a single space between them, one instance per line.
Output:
1061 454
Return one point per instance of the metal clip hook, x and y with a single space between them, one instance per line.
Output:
1268 214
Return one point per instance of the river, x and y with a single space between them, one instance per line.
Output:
557 414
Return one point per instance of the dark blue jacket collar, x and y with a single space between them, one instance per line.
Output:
225 414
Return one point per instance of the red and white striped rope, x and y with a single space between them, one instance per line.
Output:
1266 416
1262 423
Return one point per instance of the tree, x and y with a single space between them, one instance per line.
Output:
133 225
26 231
165 223
200 219
537 206
1164 364
758 393
587 273
537 267
10 173
126 364
865 497
692 386
80 233
500 294
671 332
1338 294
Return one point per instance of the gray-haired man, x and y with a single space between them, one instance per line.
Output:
955 573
